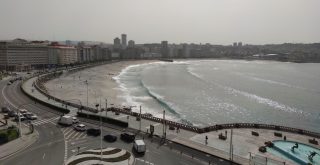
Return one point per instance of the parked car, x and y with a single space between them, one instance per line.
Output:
75 120
110 138
80 127
31 116
128 137
93 131
12 113
5 109
9 83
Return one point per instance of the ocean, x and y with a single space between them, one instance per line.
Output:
208 92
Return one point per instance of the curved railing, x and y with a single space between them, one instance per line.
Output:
39 85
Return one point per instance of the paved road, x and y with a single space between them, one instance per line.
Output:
54 140
50 145
56 143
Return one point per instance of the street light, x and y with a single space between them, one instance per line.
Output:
86 82
97 106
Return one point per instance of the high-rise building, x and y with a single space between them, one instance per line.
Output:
131 44
164 49
239 44
124 40
117 43
235 44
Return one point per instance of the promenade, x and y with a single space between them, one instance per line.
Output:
244 144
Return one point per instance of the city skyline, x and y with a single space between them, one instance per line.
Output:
215 22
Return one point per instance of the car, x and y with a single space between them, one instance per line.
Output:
26 114
80 127
9 83
128 137
5 109
93 131
31 116
110 138
75 120
139 146
12 113
22 118
23 111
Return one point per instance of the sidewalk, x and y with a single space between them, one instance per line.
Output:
18 144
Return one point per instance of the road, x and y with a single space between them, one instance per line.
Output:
56 143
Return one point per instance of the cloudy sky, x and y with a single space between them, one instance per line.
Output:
146 21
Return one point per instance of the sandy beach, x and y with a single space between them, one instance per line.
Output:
101 85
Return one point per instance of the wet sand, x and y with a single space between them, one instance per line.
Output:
101 85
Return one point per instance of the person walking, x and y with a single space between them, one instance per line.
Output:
206 140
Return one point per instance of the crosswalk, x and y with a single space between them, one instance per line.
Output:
45 121
69 133
143 161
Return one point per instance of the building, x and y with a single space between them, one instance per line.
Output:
239 44
235 44
21 55
164 49
84 53
124 40
116 43
131 44
62 54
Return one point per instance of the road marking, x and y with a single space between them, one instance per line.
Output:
43 121
67 132
69 135
44 154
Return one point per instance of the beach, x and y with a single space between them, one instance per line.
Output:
101 85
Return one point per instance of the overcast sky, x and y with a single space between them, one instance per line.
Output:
148 21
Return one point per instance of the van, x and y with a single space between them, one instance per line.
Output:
65 120
139 146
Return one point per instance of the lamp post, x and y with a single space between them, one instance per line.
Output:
86 82
97 106
140 120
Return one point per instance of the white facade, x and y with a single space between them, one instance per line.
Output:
18 52
63 55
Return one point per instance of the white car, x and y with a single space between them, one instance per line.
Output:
80 127
75 120
31 116
23 111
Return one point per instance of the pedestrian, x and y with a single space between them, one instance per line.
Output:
206 139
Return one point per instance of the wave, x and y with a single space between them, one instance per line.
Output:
159 99
259 99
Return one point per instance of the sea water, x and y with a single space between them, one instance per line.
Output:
208 92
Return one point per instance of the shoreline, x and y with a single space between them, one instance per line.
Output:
73 86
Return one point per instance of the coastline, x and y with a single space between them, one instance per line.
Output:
73 86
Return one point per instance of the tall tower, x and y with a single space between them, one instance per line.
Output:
116 43
124 40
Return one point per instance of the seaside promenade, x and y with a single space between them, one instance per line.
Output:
245 145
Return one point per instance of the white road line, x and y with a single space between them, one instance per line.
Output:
7 98
39 122
70 134
82 135
67 132
75 135
44 154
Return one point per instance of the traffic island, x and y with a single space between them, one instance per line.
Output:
110 156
